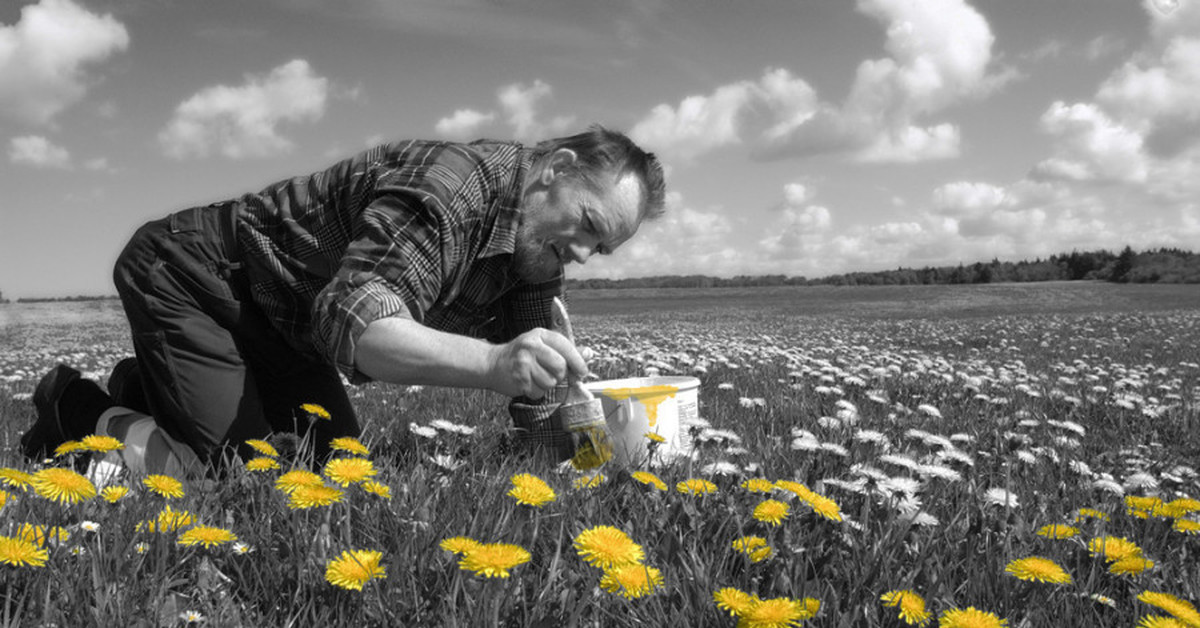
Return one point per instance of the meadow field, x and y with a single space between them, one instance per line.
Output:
962 456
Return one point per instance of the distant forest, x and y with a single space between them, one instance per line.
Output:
1154 266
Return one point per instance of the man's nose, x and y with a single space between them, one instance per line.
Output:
579 253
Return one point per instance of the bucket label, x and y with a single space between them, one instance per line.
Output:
650 396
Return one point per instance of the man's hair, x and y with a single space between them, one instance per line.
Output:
601 152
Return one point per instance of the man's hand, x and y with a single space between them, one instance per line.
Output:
533 363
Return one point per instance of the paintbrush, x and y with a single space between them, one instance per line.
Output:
581 413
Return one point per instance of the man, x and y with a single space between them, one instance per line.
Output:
411 263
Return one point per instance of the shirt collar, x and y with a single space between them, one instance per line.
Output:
503 240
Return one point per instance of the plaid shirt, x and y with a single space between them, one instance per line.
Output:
418 229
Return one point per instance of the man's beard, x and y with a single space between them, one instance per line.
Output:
533 261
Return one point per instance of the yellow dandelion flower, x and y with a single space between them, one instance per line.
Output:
262 463
1142 506
1181 609
493 560
1183 506
969 617
164 485
1186 526
101 444
631 581
1038 569
378 489
315 411
15 478
168 520
263 447
4 497
350 445
649 479
314 496
655 437
1130 566
62 485
912 606
1058 531
824 506
1090 513
458 544
606 546
21 553
347 471
795 488
530 490
754 547
114 494
41 535
294 479
696 486
1160 621
208 536
589 481
1113 548
780 612
354 568
820 504
771 511
734 601
68 447
758 485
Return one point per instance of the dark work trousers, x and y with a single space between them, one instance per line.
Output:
216 373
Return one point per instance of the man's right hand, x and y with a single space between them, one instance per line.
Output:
533 363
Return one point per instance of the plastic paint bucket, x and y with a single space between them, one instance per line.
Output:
638 406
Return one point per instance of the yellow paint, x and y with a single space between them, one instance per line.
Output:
650 396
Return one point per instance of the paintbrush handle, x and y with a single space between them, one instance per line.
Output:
559 320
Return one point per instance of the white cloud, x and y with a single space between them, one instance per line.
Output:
520 105
766 109
39 152
520 109
940 53
795 194
463 123
241 122
912 144
1090 146
698 125
967 198
44 55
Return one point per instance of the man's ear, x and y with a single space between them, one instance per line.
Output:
559 161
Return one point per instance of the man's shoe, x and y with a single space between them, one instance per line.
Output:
47 431
125 386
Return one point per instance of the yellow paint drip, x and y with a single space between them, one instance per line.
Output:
650 396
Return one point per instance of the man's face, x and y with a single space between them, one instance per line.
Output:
563 220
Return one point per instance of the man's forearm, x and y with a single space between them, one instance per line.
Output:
403 351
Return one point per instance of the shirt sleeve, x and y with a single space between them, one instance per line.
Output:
522 309
393 266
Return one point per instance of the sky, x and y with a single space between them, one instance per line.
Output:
799 137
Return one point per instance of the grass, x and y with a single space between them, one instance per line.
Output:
794 386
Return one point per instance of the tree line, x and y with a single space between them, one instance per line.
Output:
1163 265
